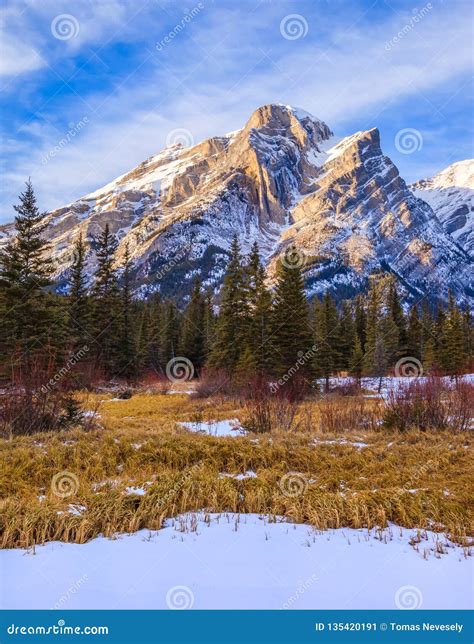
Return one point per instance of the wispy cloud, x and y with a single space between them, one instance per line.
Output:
213 73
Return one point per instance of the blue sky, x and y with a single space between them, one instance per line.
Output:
92 88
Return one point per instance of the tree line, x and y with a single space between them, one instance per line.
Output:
255 329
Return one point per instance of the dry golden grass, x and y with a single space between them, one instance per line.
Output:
416 479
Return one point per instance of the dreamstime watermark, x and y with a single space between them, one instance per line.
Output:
418 15
74 128
408 140
179 369
71 362
303 358
180 136
293 484
293 257
71 591
64 484
408 598
178 28
409 367
293 26
180 598
65 26
57 629
303 586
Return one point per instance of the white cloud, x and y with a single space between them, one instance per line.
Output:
347 73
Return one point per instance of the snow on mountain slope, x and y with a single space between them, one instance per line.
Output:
283 178
451 195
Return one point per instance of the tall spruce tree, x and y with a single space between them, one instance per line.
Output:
169 328
79 305
452 348
395 311
414 334
291 333
258 352
327 338
192 342
127 362
106 304
33 321
231 331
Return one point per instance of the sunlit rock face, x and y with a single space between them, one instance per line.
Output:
451 195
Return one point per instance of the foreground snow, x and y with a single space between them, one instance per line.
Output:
229 561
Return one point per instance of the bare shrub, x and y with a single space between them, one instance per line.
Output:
348 387
214 382
37 400
461 405
431 403
265 411
346 413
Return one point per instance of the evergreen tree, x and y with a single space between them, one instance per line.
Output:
192 343
415 334
126 350
380 361
452 348
372 331
232 327
258 352
106 304
79 309
357 357
168 333
291 334
360 321
395 311
346 336
327 339
32 321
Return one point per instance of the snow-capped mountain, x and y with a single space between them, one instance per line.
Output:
451 195
282 179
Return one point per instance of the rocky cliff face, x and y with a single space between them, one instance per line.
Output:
451 195
283 179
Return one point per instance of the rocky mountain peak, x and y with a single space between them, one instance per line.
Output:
450 193
282 179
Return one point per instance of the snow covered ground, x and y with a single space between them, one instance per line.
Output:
389 384
228 561
230 427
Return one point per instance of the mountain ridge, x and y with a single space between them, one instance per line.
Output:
283 179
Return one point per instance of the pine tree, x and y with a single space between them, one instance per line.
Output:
468 335
33 320
415 334
346 335
327 339
372 332
192 343
258 352
126 350
357 357
291 334
79 309
396 313
106 305
380 361
427 330
168 333
360 321
232 327
452 351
